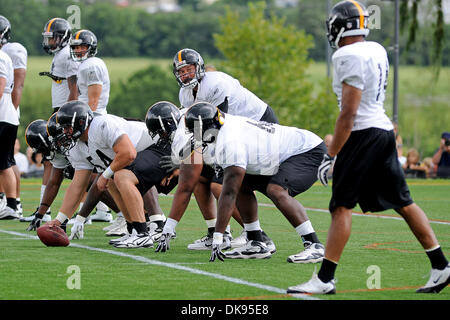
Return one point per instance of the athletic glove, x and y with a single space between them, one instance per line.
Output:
324 167
216 253
164 243
36 222
77 230
167 164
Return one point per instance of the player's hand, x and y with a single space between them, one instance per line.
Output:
36 222
164 243
167 164
216 253
324 167
102 183
77 230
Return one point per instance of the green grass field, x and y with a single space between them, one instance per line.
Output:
29 270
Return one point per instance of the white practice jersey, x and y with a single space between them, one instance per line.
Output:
78 157
17 53
63 66
93 71
104 131
180 139
364 65
216 86
258 147
8 112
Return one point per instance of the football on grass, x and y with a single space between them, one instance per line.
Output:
52 236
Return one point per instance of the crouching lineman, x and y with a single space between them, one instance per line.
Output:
113 143
145 171
280 162
44 136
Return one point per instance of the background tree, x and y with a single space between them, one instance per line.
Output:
271 59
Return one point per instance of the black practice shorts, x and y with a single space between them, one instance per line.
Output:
8 135
367 171
296 174
209 173
147 170
269 116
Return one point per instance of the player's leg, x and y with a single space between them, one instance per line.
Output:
18 203
440 267
8 133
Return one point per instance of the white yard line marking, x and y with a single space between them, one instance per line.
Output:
173 266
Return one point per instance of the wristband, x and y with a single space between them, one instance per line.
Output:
217 238
108 173
61 217
80 218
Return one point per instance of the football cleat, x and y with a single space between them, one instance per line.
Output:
136 240
252 250
102 216
269 242
314 286
47 217
313 253
2 201
439 279
155 231
118 221
121 239
205 242
9 214
239 241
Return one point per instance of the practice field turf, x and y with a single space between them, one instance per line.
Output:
380 244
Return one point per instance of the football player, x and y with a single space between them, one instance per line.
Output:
222 90
280 162
145 171
9 123
363 150
63 73
44 136
113 144
18 55
92 77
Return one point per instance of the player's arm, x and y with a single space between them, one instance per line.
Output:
94 92
125 153
2 86
73 88
232 181
73 195
51 190
189 175
351 98
19 81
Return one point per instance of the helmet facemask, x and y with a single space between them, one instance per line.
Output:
60 41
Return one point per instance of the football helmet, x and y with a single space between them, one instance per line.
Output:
5 30
36 137
203 120
55 134
162 119
60 31
83 38
186 57
347 18
74 117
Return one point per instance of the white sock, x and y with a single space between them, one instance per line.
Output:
170 225
211 223
305 228
81 205
254 226
120 214
228 229
42 195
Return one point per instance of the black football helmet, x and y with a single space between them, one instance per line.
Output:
5 30
186 57
86 38
162 119
347 18
60 31
37 138
55 134
203 120
74 117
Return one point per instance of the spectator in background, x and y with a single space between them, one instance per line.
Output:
431 168
413 168
36 168
21 159
441 158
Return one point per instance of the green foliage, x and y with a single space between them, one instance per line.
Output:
133 97
271 59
